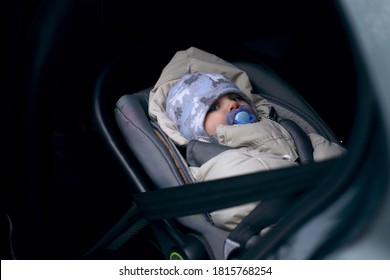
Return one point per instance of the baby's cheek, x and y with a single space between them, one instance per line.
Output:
209 124
211 130
212 120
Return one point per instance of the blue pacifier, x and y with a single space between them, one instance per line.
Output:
240 116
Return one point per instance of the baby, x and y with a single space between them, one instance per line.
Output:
193 103
209 107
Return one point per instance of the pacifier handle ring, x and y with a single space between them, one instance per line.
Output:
251 118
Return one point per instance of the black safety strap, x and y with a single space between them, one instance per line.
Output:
197 152
267 213
300 137
217 194
301 140
129 225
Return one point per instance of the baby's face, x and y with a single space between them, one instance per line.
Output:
219 110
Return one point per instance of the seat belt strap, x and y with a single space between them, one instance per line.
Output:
129 225
301 140
299 136
217 194
267 213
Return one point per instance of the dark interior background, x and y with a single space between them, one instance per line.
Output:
60 186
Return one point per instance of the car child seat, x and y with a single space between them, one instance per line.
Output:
153 165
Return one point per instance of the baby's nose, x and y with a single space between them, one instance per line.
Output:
233 105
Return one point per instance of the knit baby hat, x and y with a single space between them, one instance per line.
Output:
189 100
